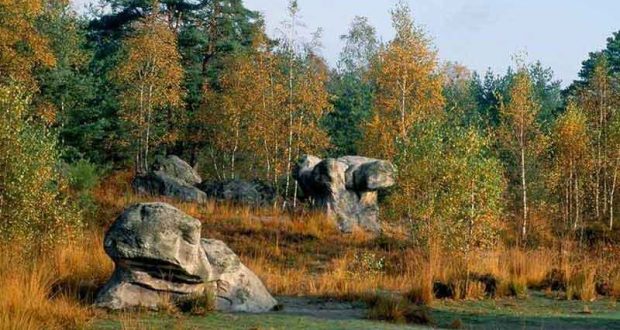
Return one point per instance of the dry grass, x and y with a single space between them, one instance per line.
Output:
294 254
51 290
304 254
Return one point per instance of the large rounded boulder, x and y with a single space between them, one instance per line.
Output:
238 289
239 191
175 167
155 248
158 254
171 177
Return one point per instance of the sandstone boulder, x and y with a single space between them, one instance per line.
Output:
155 248
238 289
158 253
175 167
345 187
172 177
239 191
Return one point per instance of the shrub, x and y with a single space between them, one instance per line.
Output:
396 309
32 205
200 304
581 285
83 176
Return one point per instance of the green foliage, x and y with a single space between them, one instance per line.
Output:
32 206
83 175
611 53
450 187
352 99
351 89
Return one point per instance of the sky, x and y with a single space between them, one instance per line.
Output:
479 34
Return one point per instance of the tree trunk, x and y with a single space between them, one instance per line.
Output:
148 128
612 192
524 192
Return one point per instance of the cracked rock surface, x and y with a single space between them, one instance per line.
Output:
346 187
172 177
158 253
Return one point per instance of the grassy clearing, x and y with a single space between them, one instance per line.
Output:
536 312
303 254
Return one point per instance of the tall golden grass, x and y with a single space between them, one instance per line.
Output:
299 254
304 254
52 289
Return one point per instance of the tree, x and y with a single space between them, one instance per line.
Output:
611 53
599 97
444 207
22 46
571 164
249 127
520 132
308 100
69 87
461 104
351 88
408 87
151 76
32 205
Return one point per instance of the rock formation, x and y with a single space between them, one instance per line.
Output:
240 191
345 187
171 176
157 252
238 289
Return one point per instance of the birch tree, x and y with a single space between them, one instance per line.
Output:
408 87
572 164
599 98
520 133
151 79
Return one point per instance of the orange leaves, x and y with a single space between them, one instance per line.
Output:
151 77
571 135
408 87
22 47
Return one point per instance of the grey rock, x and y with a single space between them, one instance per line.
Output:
238 289
175 167
345 187
155 248
158 255
239 191
161 184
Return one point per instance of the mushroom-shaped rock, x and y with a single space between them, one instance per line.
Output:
155 248
158 254
172 177
238 289
345 187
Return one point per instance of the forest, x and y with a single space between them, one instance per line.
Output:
505 187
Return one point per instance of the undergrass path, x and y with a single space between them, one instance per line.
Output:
534 312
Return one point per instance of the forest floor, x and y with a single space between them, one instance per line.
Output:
535 312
